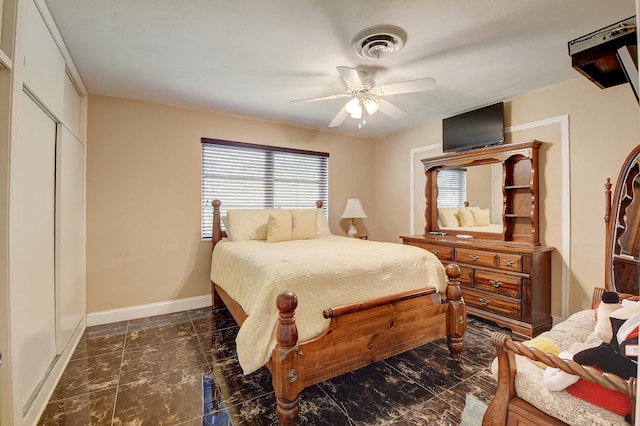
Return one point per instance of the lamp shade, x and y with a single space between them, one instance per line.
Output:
353 209
371 106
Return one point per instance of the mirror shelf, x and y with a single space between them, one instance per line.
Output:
515 192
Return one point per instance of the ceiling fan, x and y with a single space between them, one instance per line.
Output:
367 98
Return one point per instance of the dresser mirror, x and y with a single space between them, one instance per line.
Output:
622 271
483 191
501 195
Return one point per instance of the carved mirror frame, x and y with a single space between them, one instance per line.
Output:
622 261
520 207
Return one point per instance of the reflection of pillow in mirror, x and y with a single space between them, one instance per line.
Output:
448 217
481 217
466 217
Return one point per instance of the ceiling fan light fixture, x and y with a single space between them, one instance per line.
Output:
357 112
353 106
371 106
378 41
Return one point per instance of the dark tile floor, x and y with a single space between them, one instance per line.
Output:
156 371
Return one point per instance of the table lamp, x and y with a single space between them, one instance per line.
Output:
353 211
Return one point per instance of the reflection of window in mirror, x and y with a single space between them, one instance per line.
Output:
452 187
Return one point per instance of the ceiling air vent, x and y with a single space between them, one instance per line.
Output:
596 55
379 41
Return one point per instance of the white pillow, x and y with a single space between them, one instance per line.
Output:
323 225
248 224
225 225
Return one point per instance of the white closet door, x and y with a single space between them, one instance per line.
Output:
70 283
32 250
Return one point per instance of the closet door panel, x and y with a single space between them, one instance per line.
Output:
72 107
70 283
32 247
44 67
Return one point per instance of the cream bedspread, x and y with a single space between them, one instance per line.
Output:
326 272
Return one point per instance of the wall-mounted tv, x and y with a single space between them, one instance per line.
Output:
474 129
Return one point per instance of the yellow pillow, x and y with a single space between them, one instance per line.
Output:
546 345
279 227
466 217
323 225
481 217
305 225
448 217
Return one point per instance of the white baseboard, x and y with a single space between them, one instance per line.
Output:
141 311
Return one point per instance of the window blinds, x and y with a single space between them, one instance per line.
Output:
249 176
452 187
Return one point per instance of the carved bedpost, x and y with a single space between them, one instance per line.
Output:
287 361
216 235
607 206
496 413
457 312
217 231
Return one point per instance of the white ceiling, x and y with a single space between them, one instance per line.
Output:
251 57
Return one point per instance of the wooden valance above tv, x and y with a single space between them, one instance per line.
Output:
520 194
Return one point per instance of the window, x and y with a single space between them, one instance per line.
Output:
452 187
249 176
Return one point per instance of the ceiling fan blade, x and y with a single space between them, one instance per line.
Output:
419 85
339 118
390 109
324 98
351 77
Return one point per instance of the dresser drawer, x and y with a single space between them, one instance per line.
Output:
476 257
501 305
499 283
510 262
466 276
442 252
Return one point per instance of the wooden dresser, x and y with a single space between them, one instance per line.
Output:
502 281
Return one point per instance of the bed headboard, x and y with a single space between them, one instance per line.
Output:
217 233
622 217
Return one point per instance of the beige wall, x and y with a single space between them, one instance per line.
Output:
143 195
143 186
604 126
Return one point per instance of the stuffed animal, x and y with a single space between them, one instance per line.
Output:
610 302
617 326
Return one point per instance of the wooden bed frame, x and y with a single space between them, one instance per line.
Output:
509 409
359 334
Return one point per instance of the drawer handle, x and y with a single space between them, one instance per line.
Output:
474 257
508 262
435 251
484 301
496 283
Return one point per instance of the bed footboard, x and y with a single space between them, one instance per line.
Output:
360 334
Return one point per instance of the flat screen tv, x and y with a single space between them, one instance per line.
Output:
474 129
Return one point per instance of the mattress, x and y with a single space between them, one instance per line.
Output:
329 271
